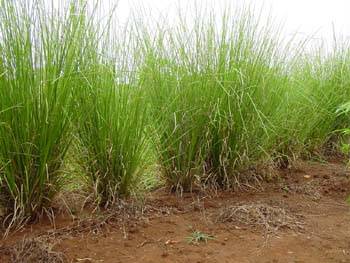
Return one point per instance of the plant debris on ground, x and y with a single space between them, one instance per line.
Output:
270 218
34 251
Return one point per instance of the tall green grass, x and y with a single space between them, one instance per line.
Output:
321 83
112 136
206 101
111 132
214 94
39 58
228 95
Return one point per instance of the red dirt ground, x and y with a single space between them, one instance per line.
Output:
313 192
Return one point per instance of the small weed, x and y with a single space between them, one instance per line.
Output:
197 236
348 200
345 148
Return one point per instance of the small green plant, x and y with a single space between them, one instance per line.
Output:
197 236
348 200
345 148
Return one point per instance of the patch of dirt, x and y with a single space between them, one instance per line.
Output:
304 212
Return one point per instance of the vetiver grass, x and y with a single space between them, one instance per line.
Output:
213 96
111 132
205 102
39 54
321 83
227 96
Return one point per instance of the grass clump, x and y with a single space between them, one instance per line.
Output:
39 56
213 95
320 84
111 133
179 125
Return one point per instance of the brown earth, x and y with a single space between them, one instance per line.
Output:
310 223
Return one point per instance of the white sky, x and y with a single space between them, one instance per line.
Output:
306 18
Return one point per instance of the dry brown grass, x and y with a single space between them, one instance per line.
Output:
34 251
310 189
270 218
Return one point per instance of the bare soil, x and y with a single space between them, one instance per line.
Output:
301 217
